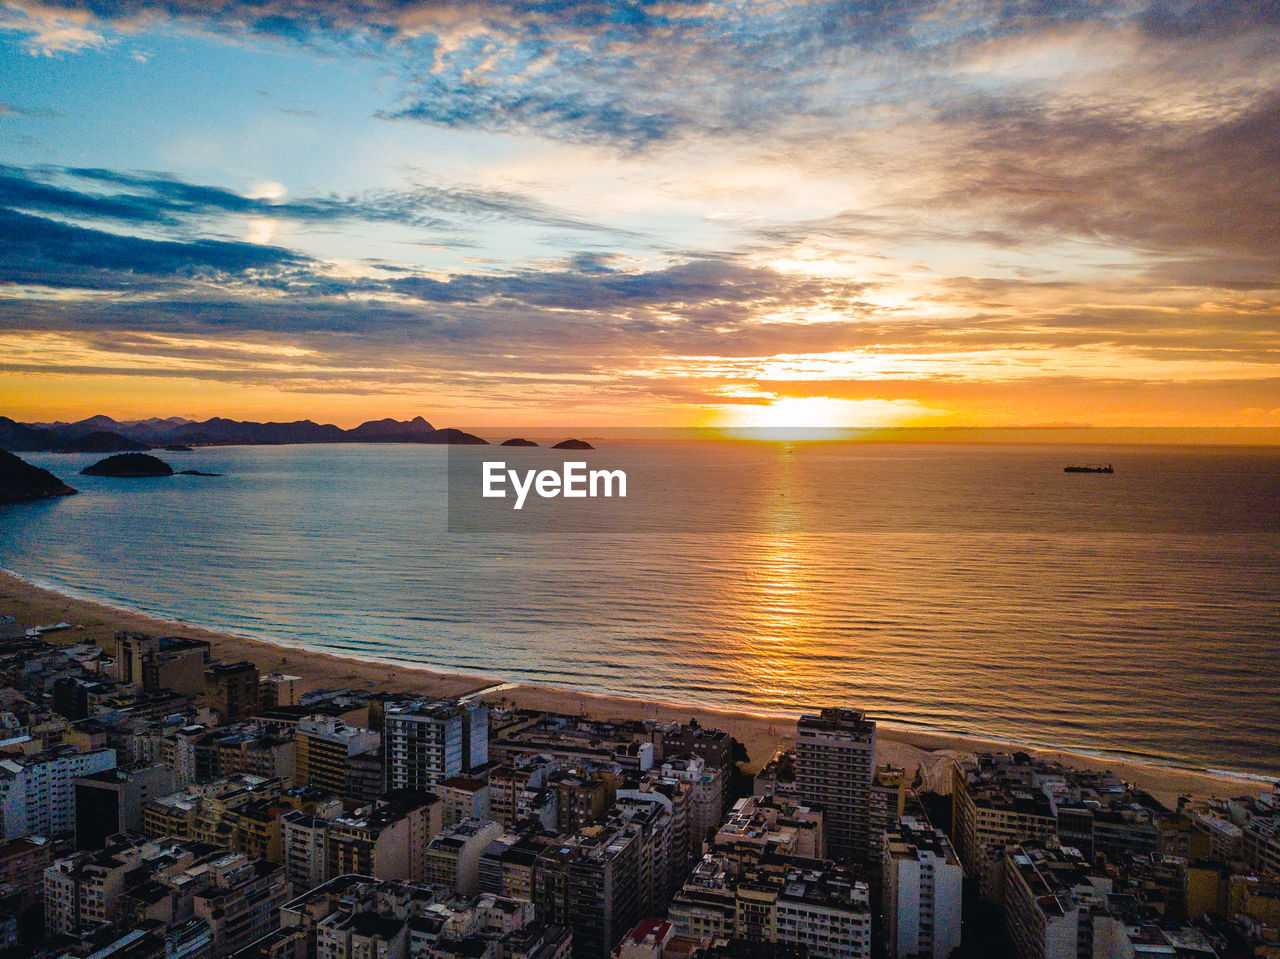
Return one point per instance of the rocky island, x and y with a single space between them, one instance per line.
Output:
20 482
573 445
129 465
518 441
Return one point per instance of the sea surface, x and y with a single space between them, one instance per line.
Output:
975 589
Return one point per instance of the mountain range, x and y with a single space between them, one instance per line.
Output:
102 434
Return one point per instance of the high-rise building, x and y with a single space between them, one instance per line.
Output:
386 839
590 883
508 864
160 662
706 799
923 885
1055 907
240 901
325 746
22 865
278 689
37 793
232 690
83 890
508 783
996 800
464 797
111 801
835 764
426 742
824 909
888 803
453 856
650 814
304 840
819 906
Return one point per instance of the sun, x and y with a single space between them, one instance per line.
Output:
822 417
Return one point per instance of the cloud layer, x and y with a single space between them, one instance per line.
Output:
952 202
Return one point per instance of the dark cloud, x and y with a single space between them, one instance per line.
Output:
1197 195
689 288
705 295
1182 19
41 252
570 115
160 199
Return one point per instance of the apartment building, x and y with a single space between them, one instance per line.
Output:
453 856
835 764
922 885
430 741
589 882
37 792
325 747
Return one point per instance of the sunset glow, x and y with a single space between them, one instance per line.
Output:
694 213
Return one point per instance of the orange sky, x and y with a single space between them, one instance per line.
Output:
761 214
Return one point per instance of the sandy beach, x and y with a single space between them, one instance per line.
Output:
762 735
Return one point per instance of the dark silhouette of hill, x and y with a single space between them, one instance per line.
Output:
103 442
21 438
21 482
93 435
129 465
416 430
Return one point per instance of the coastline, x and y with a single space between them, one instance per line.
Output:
761 734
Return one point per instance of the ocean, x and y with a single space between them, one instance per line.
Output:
969 588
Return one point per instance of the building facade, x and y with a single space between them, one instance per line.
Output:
835 764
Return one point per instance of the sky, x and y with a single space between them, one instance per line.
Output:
666 213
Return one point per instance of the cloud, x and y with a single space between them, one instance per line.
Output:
151 198
42 252
28 113
628 75
1180 19
573 115
1202 186
653 73
883 194
53 29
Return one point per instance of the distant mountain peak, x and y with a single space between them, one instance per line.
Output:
392 428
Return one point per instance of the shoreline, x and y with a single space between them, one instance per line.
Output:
761 733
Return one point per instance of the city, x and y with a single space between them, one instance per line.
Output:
159 802
639 479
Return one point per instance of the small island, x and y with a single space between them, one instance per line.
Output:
573 445
129 465
178 448
194 473
456 437
20 482
518 441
